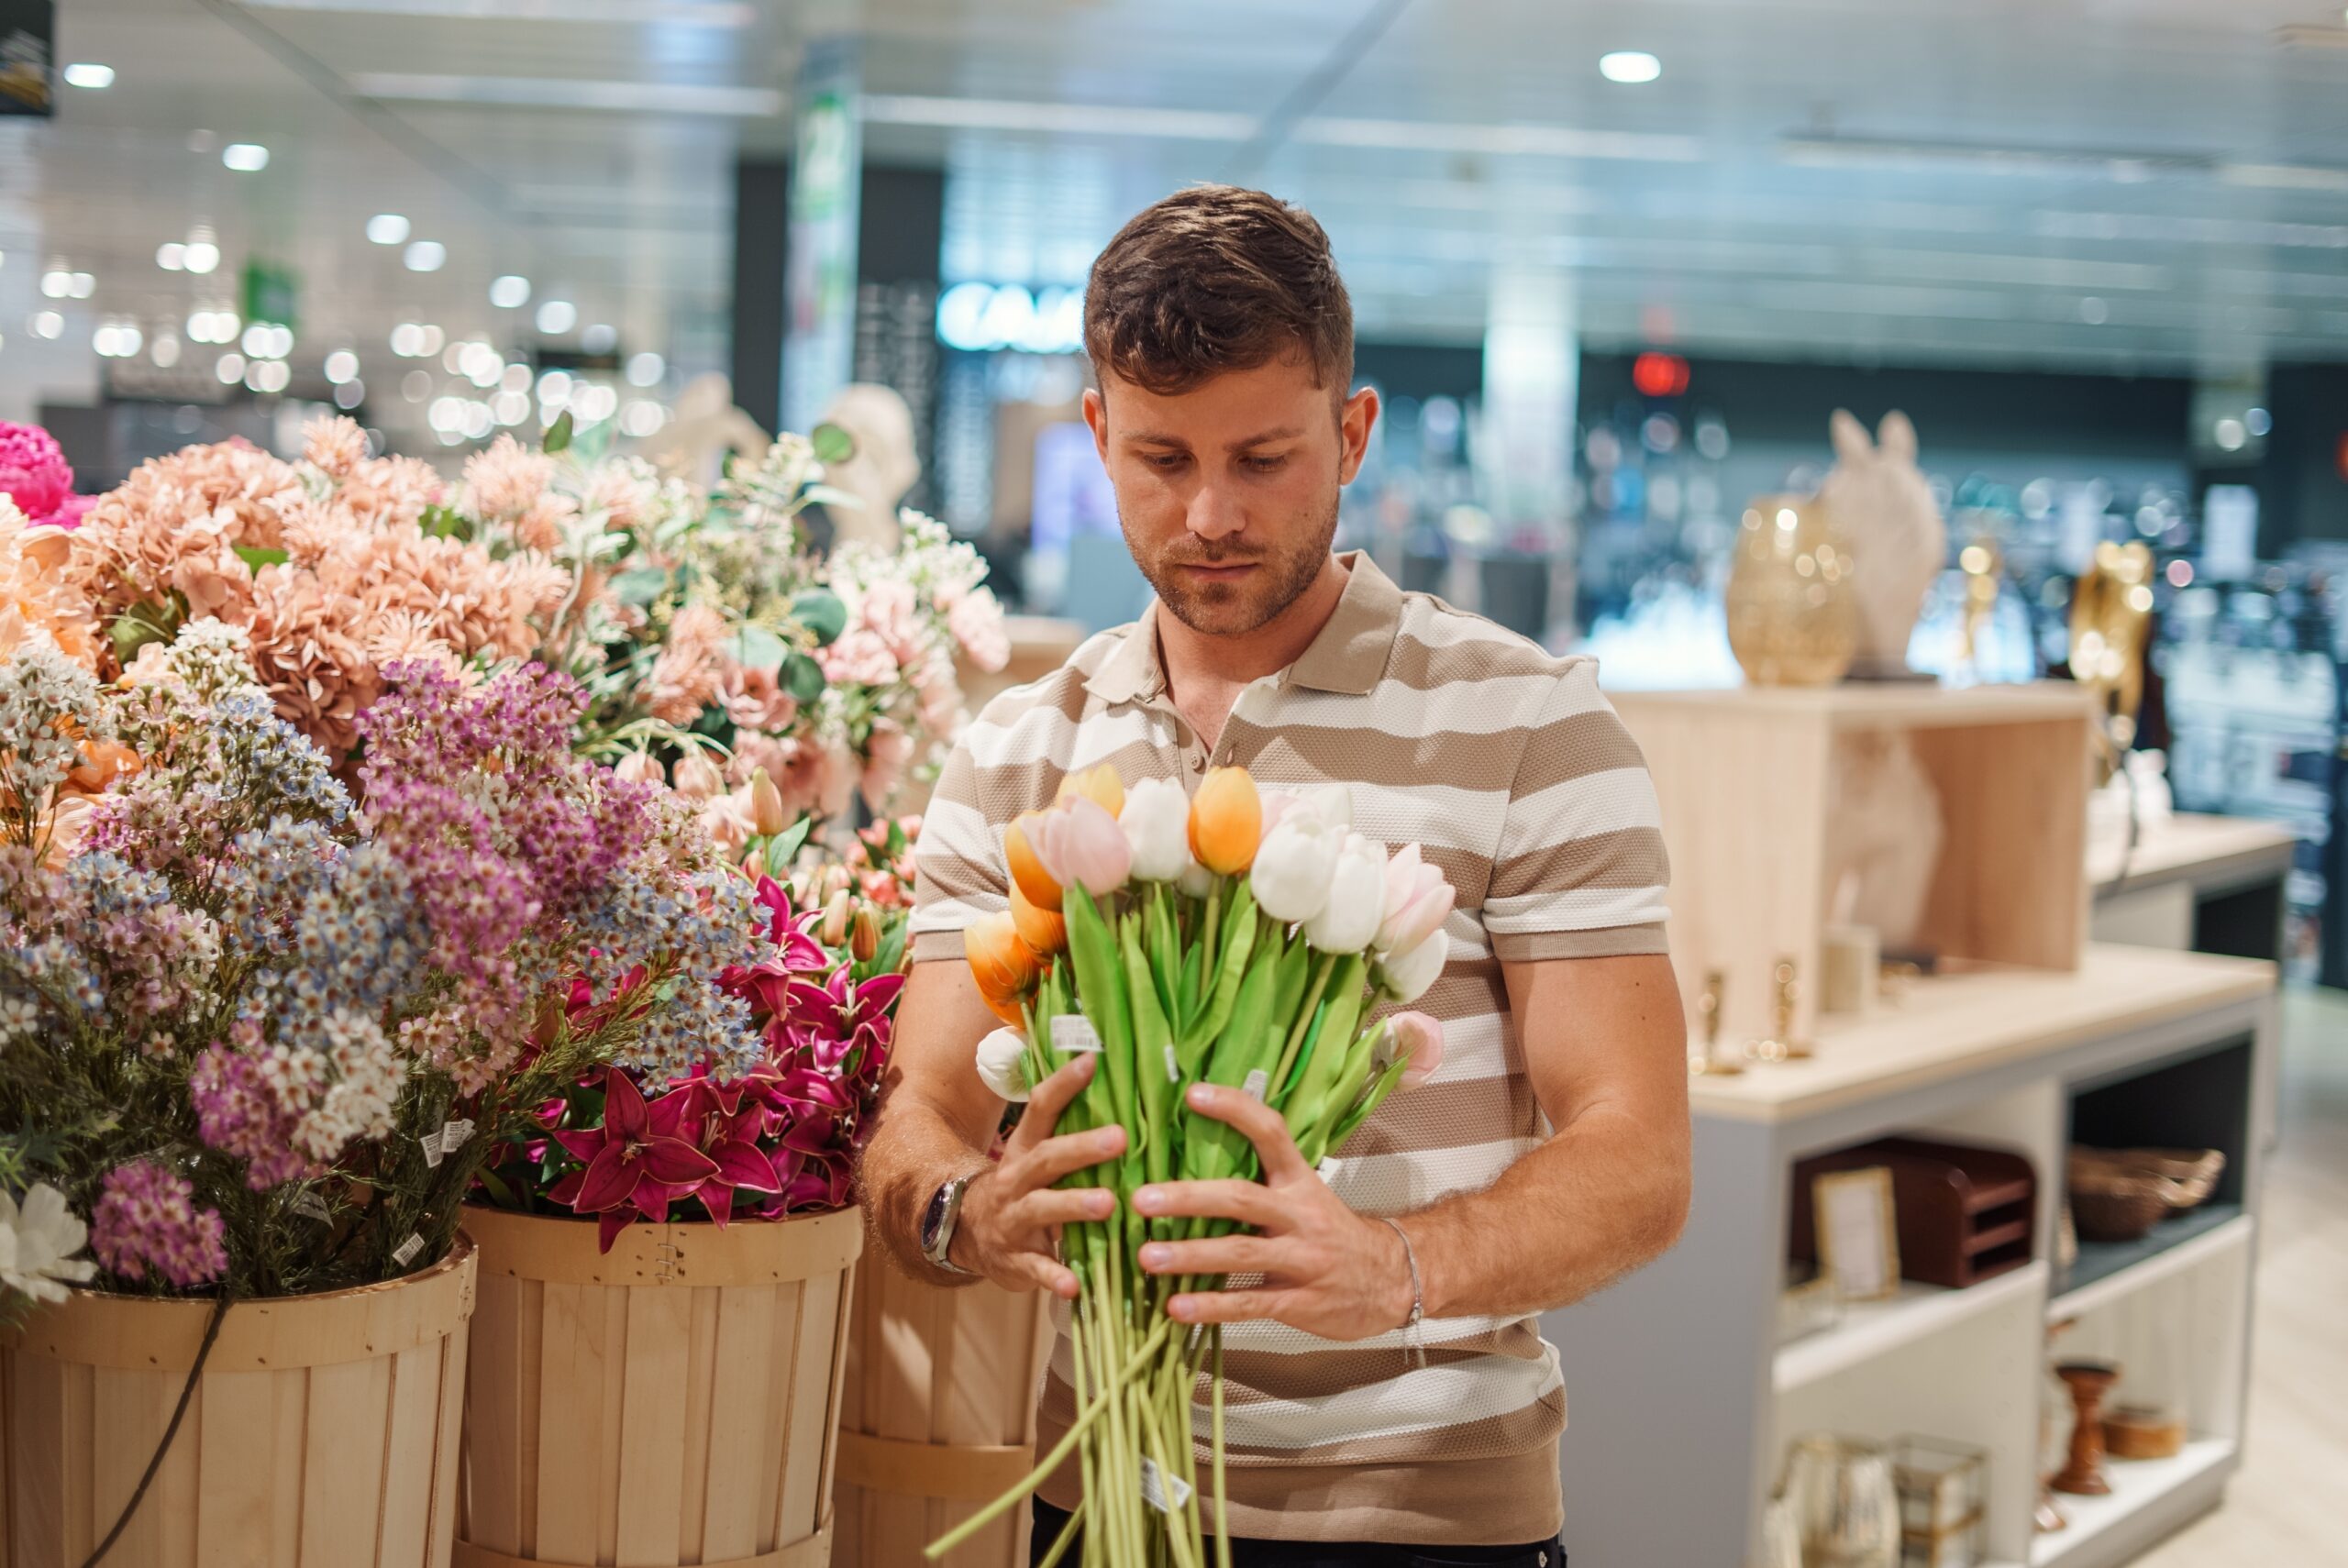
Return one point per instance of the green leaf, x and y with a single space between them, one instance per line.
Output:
829 495
559 433
444 522
755 647
802 678
822 612
786 844
640 586
257 557
832 444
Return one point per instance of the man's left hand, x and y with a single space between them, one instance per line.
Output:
1326 1269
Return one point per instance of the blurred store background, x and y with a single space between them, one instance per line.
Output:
1614 265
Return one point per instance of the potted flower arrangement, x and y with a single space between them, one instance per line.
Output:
683 1246
258 1031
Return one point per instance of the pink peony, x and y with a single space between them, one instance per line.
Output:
892 612
976 620
754 699
859 656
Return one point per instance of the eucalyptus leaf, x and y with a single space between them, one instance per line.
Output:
802 678
821 612
832 445
641 586
558 433
755 647
259 555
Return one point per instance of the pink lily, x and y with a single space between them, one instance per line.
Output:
641 1157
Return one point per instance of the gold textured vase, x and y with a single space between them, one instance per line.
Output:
1793 618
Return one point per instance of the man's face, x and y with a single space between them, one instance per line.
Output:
1228 493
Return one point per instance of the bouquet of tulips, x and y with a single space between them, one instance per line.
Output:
1244 938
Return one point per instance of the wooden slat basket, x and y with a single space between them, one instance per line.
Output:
666 1403
323 1432
939 1417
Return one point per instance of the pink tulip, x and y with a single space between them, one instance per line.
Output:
1081 845
1417 1038
1418 900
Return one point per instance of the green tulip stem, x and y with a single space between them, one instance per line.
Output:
1045 1466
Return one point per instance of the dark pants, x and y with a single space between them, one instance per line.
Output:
1333 1554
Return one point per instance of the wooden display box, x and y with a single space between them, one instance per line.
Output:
1962 1214
1746 780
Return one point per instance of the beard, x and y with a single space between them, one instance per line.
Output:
1288 560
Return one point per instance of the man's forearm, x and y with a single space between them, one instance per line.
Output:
913 1151
1602 1197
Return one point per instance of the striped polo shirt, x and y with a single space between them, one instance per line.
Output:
1512 772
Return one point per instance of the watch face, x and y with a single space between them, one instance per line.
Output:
933 1218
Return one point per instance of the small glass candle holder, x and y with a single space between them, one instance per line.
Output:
1943 1502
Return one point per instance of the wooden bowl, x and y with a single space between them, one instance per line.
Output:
2143 1431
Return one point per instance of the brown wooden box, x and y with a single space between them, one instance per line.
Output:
1963 1214
1744 781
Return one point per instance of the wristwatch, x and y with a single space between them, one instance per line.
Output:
937 1223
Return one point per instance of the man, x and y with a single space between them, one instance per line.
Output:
1223 341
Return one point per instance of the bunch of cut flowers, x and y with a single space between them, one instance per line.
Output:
257 1030
1240 938
781 1138
715 645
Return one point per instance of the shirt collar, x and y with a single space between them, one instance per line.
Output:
1348 655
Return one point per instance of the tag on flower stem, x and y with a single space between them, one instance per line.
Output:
1073 1032
405 1254
1173 1067
431 1144
454 1135
1256 1084
310 1206
1160 1491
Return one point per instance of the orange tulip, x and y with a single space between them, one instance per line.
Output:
1026 868
1040 929
1008 1011
1226 820
1004 965
1100 784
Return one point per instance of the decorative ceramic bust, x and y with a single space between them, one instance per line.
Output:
1885 513
883 468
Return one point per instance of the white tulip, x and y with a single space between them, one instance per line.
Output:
1356 900
1196 881
999 1063
1290 877
1333 803
1157 820
1407 976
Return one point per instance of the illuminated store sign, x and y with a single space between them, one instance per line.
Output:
979 316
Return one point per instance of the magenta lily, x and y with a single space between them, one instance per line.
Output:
639 1158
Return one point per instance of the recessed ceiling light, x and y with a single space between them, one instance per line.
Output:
387 228
558 317
1632 65
342 365
90 74
510 292
172 256
600 338
427 256
201 255
245 157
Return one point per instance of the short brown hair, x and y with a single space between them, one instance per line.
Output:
1213 278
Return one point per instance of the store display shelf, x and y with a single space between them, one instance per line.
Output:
2109 1270
1871 1329
2136 1485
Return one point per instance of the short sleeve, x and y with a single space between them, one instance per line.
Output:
1582 871
958 867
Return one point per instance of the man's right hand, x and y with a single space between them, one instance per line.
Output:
1012 1213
